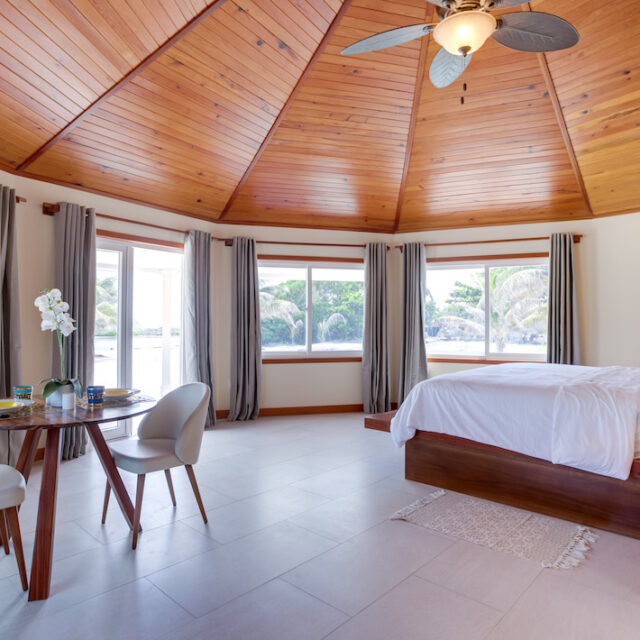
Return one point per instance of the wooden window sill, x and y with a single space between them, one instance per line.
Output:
478 360
311 360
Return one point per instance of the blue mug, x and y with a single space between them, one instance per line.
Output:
95 396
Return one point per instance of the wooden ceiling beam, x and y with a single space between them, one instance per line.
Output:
417 96
562 123
564 131
152 57
283 112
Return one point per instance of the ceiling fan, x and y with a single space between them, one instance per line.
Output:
464 27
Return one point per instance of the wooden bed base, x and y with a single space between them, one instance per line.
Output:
521 481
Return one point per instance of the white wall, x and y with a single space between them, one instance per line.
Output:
608 265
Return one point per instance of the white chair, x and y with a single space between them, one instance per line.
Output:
12 492
169 436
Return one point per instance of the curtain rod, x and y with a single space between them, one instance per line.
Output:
49 209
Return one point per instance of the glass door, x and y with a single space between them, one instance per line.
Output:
138 321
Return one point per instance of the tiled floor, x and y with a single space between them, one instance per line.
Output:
299 547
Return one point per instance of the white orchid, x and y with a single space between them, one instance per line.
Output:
55 317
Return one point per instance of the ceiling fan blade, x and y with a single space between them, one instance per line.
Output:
534 31
446 68
389 38
506 4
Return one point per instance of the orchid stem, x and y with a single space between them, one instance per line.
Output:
62 362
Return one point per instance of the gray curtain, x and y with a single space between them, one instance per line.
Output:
413 360
75 276
196 326
563 340
375 342
246 340
10 348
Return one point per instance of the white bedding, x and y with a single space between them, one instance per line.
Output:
584 417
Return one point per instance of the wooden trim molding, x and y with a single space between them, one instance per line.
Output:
576 239
502 256
104 233
417 94
283 112
289 258
222 414
562 123
312 360
479 360
141 66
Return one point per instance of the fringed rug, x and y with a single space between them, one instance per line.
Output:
553 543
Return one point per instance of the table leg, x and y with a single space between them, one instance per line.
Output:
28 452
45 528
113 476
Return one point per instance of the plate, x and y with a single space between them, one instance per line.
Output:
119 394
9 406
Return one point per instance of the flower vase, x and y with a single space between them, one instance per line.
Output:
55 399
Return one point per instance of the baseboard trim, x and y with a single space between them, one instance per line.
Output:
222 414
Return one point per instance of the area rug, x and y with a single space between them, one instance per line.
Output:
553 543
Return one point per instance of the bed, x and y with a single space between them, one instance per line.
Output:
554 439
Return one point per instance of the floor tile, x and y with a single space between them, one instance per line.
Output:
419 610
274 611
346 517
556 609
214 578
243 517
347 479
492 577
358 571
137 611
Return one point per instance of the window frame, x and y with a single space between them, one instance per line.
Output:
309 354
124 246
485 263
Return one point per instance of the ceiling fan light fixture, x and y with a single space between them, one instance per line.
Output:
464 32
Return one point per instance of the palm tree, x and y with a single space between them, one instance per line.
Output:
518 303
279 309
328 324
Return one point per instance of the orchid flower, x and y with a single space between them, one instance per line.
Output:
54 312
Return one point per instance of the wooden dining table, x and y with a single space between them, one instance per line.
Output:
40 417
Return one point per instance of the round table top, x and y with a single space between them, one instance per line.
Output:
51 417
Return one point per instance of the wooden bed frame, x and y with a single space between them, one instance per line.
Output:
521 481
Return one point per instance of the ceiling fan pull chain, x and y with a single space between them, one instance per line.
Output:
464 88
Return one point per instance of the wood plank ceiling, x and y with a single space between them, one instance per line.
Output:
243 111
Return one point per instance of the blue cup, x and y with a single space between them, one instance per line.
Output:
23 392
95 396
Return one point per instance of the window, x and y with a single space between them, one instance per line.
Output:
311 309
492 310
138 320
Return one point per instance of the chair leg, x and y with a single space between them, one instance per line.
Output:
4 536
107 493
138 509
196 491
167 473
14 528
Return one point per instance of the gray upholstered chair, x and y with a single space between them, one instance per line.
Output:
169 436
13 489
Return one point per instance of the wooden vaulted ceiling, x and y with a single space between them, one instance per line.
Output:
244 111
